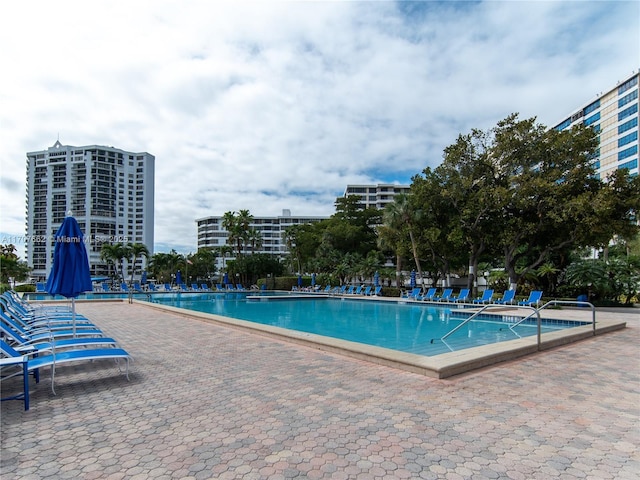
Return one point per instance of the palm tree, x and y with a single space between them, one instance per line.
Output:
400 215
137 250
391 239
255 239
244 220
230 224
115 254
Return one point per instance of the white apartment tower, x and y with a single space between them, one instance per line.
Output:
614 115
110 192
376 196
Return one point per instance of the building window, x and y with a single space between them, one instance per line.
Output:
628 125
628 111
595 105
632 137
592 119
628 98
627 85
564 124
628 152
629 165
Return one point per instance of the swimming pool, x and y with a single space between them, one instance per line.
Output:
407 327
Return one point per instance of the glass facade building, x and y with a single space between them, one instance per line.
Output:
614 116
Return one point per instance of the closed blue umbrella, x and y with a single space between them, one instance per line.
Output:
179 277
70 275
299 280
313 279
143 280
376 279
413 279
225 279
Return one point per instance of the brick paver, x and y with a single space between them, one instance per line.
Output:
207 402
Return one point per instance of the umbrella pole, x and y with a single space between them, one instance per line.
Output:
73 315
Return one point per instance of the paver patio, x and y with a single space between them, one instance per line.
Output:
208 402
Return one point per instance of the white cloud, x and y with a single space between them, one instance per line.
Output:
272 105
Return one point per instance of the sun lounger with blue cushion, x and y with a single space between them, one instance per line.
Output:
463 296
486 297
507 298
413 293
21 343
446 295
204 287
429 296
40 288
25 363
195 287
534 298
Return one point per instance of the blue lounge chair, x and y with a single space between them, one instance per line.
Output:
167 287
486 297
152 287
123 287
463 296
446 295
413 294
182 287
25 364
507 298
377 291
367 290
429 296
54 329
40 288
39 319
351 289
534 297
204 287
22 343
239 287
195 287
106 287
327 289
137 287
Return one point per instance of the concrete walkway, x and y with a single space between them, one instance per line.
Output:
209 402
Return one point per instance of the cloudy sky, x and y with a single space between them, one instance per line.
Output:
269 105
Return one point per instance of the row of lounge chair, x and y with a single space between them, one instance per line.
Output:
508 297
180 287
35 337
367 290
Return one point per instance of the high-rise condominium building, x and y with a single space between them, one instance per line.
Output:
614 115
212 234
376 196
109 191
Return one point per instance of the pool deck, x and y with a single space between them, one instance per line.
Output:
208 401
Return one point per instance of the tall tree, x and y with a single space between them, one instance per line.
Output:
400 215
137 250
546 190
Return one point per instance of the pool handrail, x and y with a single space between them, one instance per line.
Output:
562 302
485 307
536 312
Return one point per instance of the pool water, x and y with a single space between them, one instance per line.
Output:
402 326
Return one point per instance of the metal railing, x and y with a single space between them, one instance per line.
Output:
536 312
